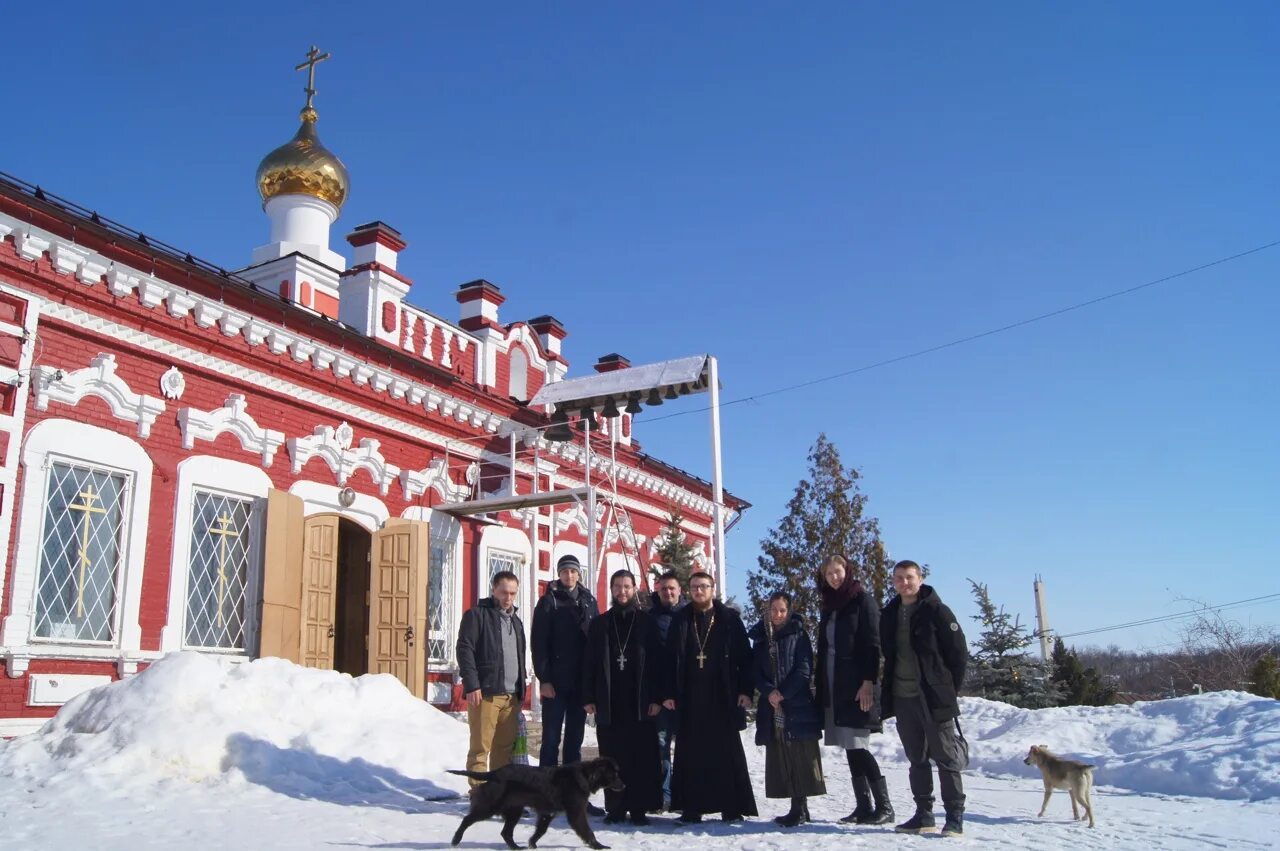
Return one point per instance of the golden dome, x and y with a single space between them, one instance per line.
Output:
303 166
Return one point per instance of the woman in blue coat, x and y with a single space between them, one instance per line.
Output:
787 719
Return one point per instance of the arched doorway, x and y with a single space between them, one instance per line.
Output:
347 598
335 604
351 618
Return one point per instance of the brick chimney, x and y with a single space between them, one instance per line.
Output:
612 363
479 302
370 293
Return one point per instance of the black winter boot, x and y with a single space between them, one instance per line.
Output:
884 810
922 822
799 814
954 825
862 802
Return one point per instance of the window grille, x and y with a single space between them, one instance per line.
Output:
500 560
81 554
222 570
440 638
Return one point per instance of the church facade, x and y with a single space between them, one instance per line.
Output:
266 462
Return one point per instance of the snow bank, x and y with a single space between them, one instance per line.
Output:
298 731
196 719
1217 745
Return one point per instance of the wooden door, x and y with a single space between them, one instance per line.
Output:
282 578
398 603
319 590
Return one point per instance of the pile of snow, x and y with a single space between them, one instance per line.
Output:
1219 745
302 732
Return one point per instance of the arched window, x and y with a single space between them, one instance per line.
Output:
215 586
518 363
81 538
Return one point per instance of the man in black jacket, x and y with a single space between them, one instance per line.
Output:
665 601
710 686
560 623
924 662
622 681
491 661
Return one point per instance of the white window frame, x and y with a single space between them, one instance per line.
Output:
49 441
210 473
53 459
516 559
515 543
446 529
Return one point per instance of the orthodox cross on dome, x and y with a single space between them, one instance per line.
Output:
314 58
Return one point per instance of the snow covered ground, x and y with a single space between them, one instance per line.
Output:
194 753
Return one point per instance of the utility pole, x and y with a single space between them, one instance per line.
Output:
1042 620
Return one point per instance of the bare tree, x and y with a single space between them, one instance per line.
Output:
1217 652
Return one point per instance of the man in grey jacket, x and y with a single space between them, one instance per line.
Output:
491 661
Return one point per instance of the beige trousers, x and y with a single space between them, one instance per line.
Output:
493 733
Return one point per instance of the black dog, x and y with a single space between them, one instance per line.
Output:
566 788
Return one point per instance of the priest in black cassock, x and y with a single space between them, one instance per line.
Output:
711 687
622 681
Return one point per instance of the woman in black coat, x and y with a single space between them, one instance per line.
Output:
787 719
848 671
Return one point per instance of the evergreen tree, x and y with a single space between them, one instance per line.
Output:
1076 684
1265 677
1001 668
675 553
826 516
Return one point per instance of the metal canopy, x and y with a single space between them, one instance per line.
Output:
681 376
513 503
591 391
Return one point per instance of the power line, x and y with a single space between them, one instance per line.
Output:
1172 617
978 336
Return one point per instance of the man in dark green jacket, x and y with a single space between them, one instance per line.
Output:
925 656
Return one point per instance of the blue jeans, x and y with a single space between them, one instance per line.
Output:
668 722
566 710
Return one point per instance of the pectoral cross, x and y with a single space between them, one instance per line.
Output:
622 661
314 58
88 509
225 532
701 657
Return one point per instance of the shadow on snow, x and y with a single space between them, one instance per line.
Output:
302 773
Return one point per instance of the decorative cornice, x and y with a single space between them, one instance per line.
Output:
99 379
208 312
232 417
91 268
436 477
333 446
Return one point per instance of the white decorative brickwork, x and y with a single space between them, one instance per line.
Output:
232 417
99 379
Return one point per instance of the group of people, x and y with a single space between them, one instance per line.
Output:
672 673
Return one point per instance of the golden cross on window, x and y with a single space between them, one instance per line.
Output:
223 534
87 509
314 58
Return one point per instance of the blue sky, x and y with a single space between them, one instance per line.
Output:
798 191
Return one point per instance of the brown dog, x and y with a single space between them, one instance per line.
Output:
547 791
1059 773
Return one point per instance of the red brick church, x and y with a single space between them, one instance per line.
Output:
288 460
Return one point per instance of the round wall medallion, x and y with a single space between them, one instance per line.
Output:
172 383
346 496
344 435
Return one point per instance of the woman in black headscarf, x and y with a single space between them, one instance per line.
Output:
788 723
